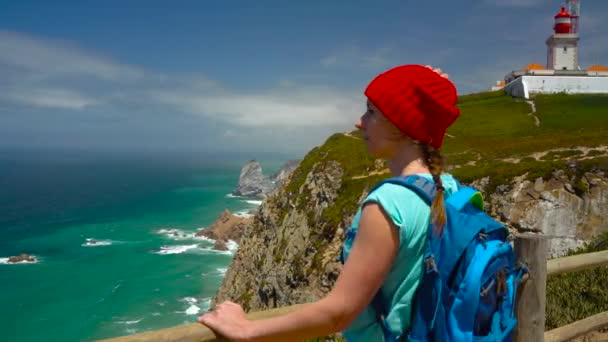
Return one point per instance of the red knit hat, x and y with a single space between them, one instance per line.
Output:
417 100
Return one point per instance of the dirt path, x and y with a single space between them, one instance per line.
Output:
373 173
533 107
350 135
584 150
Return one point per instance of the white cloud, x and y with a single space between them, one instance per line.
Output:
46 58
298 107
51 98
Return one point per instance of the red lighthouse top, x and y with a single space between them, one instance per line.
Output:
563 22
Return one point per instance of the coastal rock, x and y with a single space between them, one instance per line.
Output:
21 258
568 213
288 254
283 174
226 227
252 182
220 245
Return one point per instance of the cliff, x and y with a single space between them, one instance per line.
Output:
549 178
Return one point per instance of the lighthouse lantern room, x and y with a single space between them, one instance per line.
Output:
562 45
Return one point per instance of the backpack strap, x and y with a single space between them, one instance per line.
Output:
423 187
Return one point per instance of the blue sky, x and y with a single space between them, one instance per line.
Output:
244 76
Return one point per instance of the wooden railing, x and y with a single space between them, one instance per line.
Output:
196 332
530 249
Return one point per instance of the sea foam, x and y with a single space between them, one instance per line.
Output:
95 243
243 214
178 249
129 322
193 308
232 246
175 234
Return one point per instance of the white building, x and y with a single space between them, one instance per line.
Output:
562 72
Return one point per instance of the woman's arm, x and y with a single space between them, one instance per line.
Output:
371 257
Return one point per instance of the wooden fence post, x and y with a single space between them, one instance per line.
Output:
531 250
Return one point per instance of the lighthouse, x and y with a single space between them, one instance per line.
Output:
562 73
562 45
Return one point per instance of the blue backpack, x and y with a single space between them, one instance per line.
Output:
468 290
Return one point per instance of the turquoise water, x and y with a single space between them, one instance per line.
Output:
138 277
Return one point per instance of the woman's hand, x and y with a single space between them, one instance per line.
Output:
438 70
229 320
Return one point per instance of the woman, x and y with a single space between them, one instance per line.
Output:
409 109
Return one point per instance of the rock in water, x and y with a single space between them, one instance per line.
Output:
21 258
226 227
220 245
252 182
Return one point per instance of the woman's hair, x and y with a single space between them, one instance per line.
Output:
434 161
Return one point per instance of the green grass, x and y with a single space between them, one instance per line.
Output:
493 126
497 126
578 295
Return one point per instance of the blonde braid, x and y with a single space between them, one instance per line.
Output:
434 161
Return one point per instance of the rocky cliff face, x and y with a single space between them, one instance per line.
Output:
569 210
288 254
282 175
286 246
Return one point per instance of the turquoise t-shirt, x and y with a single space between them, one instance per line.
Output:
411 215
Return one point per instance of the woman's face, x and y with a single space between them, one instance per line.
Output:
381 136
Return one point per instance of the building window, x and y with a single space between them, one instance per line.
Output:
565 49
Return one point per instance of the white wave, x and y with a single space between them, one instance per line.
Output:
178 249
254 202
222 271
129 322
94 243
204 238
116 287
5 261
205 304
230 195
193 310
243 214
232 246
175 234
155 314
189 300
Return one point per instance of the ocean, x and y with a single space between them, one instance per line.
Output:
114 242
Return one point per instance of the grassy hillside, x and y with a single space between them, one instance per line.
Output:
496 135
497 126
